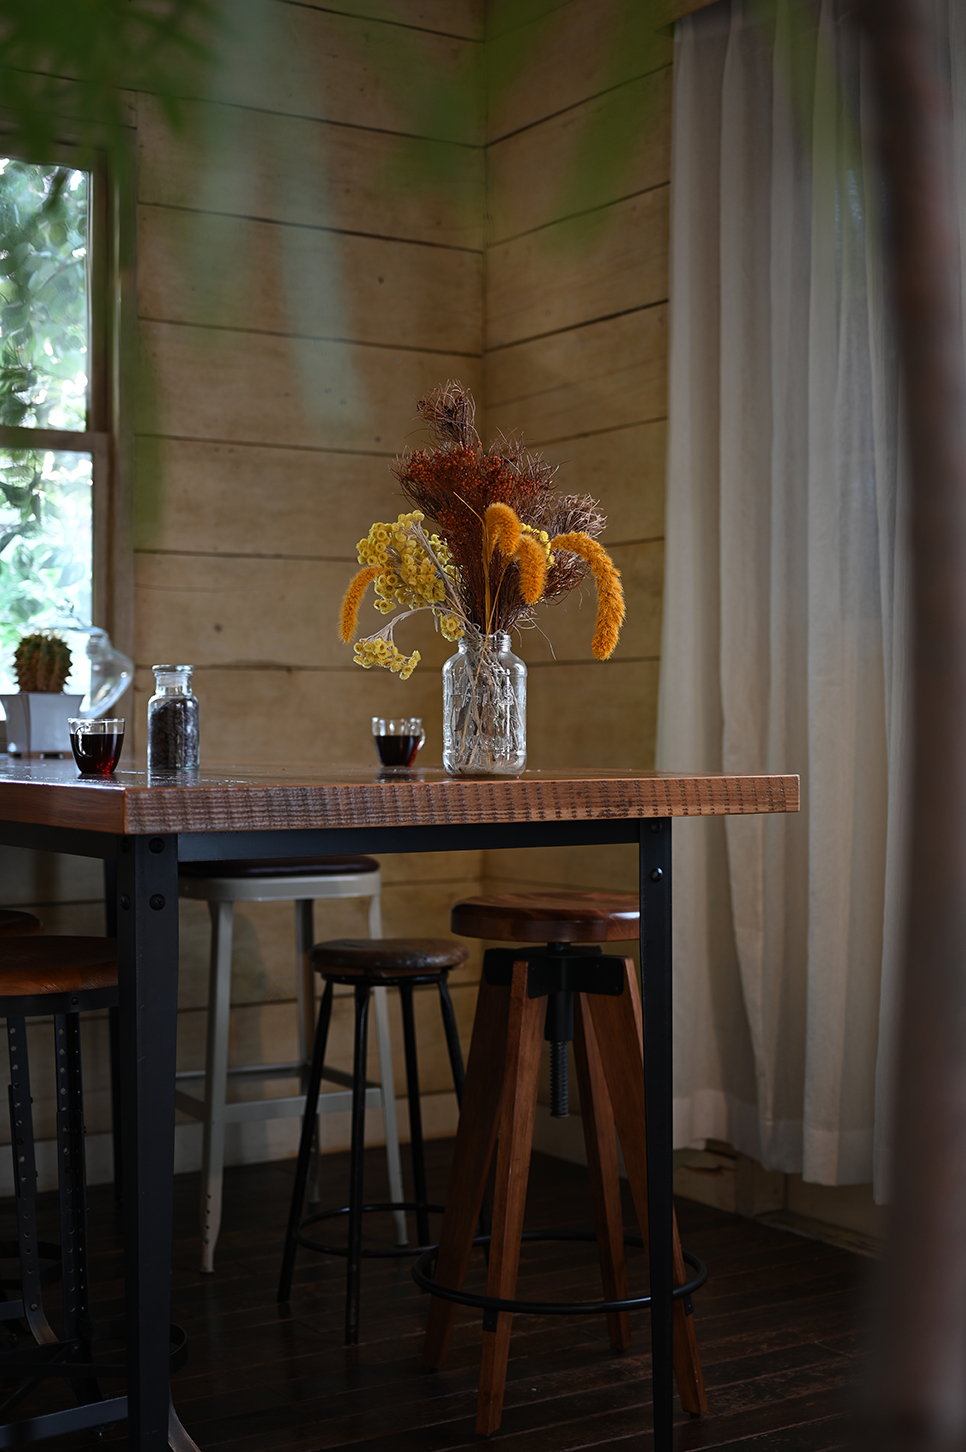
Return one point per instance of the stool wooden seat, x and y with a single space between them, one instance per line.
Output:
48 969
368 965
548 917
14 924
305 881
290 867
387 959
499 1104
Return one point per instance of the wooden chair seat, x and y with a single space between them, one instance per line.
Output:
33 966
281 867
549 917
14 924
387 958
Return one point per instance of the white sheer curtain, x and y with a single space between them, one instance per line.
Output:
783 628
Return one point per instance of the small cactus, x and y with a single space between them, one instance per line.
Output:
41 662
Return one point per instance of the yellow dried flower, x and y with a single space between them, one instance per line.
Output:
533 568
610 592
351 601
501 529
542 538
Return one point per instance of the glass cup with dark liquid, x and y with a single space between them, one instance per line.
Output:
397 741
96 744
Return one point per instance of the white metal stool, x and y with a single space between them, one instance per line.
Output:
304 879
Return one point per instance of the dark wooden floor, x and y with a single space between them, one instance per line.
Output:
778 1325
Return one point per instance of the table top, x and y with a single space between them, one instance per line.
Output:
226 799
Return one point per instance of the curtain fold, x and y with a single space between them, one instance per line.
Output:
784 624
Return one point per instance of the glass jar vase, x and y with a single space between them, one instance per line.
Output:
173 739
484 709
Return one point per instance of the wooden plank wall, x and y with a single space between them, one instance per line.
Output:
295 296
299 283
575 357
277 395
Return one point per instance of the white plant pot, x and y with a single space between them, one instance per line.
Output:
37 721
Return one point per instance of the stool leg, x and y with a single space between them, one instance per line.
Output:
356 1165
305 1144
459 1076
618 1023
216 1078
72 1180
304 938
600 1137
415 1114
517 1112
472 1153
387 1093
452 1040
387 1085
25 1181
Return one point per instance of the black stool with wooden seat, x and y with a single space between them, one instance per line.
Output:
63 977
366 964
564 990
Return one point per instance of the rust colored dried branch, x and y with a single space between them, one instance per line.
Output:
450 412
454 483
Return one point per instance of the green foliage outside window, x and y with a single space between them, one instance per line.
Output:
45 495
43 296
45 545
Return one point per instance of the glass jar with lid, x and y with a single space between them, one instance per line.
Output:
173 740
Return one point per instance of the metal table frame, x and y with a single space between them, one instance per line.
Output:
147 916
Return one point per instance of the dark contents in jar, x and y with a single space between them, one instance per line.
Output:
173 732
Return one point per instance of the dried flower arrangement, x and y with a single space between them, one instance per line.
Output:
506 541
41 662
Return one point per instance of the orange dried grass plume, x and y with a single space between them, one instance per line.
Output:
532 559
352 599
610 592
501 530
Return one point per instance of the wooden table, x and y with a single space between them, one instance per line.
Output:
147 824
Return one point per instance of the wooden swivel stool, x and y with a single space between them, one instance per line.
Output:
560 992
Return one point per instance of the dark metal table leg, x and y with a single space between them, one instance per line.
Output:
147 897
114 1028
655 862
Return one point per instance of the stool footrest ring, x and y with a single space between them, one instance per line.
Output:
427 1260
51 1358
387 1206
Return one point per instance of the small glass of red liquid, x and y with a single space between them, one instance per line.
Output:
398 740
96 744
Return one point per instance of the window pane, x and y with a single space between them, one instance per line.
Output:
45 546
43 296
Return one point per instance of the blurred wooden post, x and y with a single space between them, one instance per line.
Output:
919 1366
